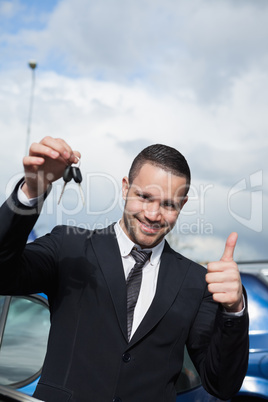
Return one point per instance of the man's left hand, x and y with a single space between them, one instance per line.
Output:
224 280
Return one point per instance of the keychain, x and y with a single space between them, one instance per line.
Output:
72 172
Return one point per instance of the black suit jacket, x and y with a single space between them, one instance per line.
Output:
89 357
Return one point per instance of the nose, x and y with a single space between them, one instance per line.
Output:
152 211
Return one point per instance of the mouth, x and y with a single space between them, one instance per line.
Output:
150 228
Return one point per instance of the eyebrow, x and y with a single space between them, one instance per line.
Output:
151 197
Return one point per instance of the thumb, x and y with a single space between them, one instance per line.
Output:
229 247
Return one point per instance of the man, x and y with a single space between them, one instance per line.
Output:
105 346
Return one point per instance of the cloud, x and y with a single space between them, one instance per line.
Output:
222 143
109 123
114 77
173 47
8 9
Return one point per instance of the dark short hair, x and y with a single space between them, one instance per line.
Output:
163 156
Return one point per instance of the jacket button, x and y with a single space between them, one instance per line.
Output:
116 399
126 357
229 323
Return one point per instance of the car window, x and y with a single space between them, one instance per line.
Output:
24 340
189 377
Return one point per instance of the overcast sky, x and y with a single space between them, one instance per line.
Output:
115 76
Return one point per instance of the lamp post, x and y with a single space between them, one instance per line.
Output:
32 64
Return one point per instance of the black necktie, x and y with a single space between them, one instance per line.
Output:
134 284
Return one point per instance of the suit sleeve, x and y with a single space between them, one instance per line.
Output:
219 345
25 268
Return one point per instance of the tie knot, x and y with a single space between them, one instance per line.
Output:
140 256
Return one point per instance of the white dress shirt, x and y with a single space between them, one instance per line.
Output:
149 273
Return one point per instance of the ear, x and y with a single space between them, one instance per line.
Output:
125 187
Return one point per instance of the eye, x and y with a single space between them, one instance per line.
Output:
143 196
170 206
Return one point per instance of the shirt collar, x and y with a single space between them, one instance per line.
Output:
126 245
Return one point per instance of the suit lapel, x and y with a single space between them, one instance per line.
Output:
107 251
171 275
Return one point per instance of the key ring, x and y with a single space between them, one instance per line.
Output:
77 163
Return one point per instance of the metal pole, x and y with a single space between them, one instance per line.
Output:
32 64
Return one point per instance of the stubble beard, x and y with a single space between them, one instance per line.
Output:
133 232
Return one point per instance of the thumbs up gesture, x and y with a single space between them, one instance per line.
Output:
224 280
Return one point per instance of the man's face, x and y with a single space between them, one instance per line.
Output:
153 203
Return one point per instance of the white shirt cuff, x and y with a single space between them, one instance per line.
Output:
238 313
28 202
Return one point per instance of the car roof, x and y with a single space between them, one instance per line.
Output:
258 268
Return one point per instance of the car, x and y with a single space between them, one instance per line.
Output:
254 277
11 395
25 323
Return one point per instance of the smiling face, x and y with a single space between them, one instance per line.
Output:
153 203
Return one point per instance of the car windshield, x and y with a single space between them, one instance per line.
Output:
24 340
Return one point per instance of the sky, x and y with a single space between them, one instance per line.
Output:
115 76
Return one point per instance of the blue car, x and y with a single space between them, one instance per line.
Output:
255 279
255 386
25 323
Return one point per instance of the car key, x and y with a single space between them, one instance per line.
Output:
77 176
67 176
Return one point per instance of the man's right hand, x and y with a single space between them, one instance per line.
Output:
46 163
